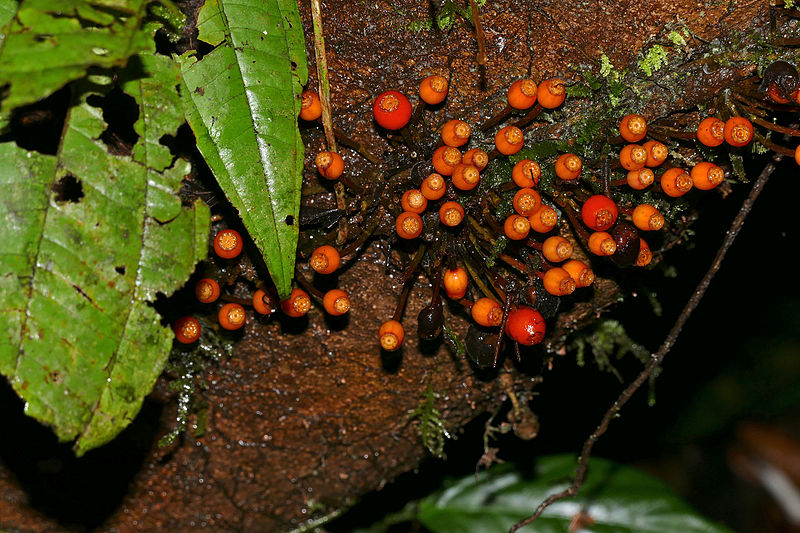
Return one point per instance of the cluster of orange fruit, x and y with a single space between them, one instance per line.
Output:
562 274
599 213
228 244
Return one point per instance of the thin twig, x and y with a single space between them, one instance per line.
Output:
482 57
355 145
657 357
322 75
325 103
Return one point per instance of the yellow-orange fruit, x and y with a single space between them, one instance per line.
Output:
556 249
706 175
551 93
408 225
656 153
568 166
738 131
433 89
516 227
527 201
325 259
647 218
676 182
336 302
207 290
487 312
445 158
558 282
391 335
451 213
711 131
329 164
602 243
526 173
455 282
465 177
580 272
311 107
633 157
231 316
522 94
543 219
433 187
633 128
645 255
476 157
297 305
261 302
456 133
413 201
509 140
640 179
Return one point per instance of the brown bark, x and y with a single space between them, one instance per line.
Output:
304 420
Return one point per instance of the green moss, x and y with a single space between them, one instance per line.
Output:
676 38
497 249
430 425
653 60
608 341
454 342
419 25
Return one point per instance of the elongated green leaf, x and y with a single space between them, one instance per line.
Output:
7 10
617 498
242 101
97 237
49 43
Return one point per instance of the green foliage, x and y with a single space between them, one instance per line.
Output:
450 10
608 340
497 249
454 342
676 38
653 60
245 121
47 44
419 25
99 235
607 70
737 162
616 497
83 344
430 425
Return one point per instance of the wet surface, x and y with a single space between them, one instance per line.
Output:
306 416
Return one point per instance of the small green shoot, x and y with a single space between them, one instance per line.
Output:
653 60
430 425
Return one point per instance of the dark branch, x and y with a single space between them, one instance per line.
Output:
657 357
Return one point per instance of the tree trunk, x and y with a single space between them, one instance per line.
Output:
303 420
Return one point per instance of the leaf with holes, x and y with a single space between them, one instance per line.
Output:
242 101
48 44
97 237
614 498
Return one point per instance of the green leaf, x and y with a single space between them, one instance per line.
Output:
48 43
242 100
7 10
618 498
83 344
